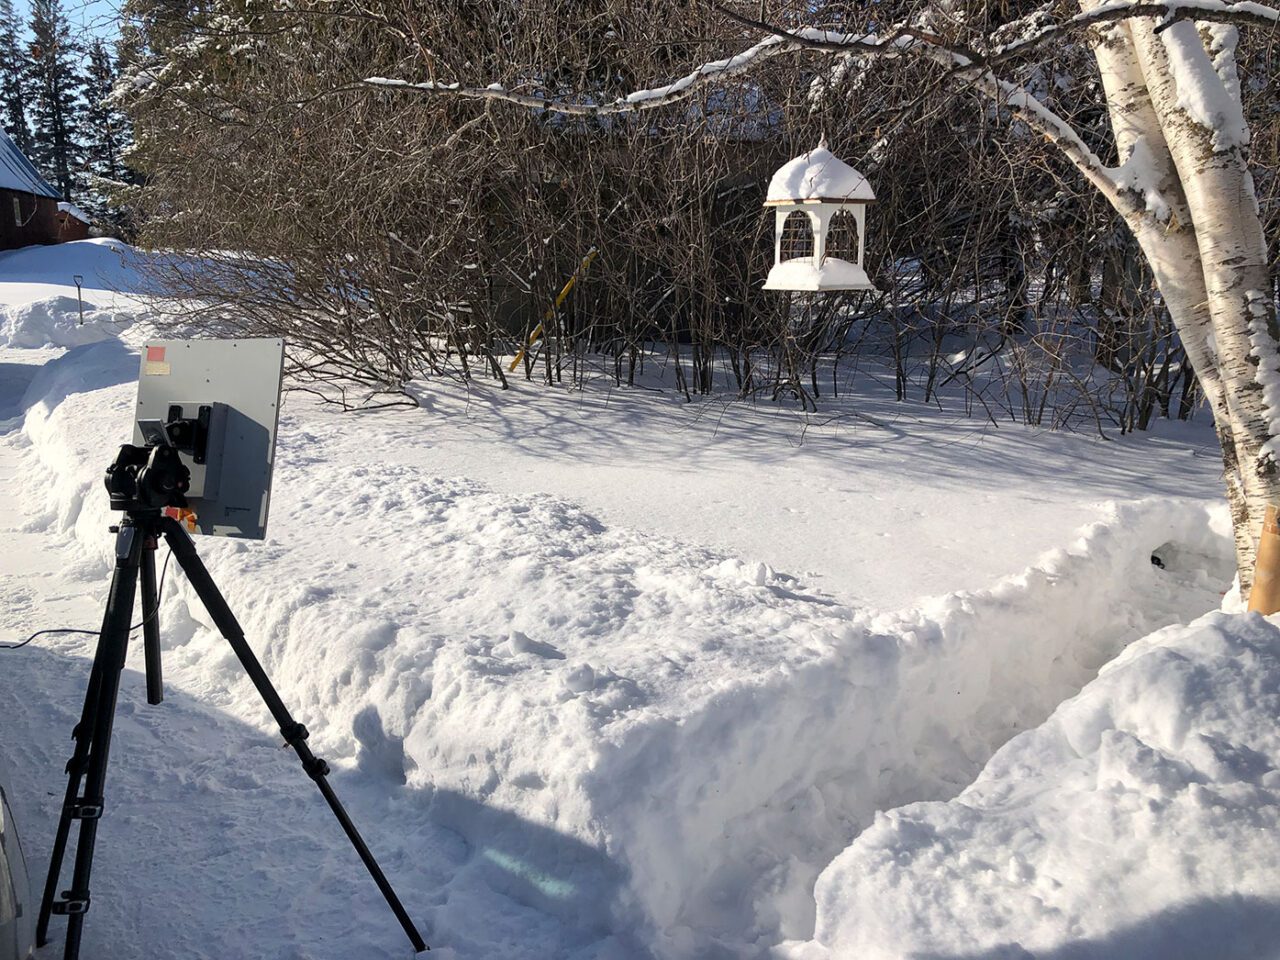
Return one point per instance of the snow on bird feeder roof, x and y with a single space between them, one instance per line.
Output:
820 210
818 175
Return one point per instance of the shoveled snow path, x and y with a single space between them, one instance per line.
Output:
632 734
216 845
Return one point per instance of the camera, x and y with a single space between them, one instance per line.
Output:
148 478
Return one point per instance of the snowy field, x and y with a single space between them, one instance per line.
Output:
604 675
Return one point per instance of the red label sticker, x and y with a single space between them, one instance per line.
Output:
155 354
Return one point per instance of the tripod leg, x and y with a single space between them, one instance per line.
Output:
75 776
295 734
151 623
93 745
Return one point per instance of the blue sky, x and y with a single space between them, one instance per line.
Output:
95 18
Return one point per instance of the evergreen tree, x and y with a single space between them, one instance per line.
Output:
56 89
13 77
105 128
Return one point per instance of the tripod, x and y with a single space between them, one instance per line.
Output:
136 541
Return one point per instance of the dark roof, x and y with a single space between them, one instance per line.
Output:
18 173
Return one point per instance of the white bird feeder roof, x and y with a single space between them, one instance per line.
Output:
818 176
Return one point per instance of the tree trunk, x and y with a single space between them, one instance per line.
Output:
1213 169
1202 235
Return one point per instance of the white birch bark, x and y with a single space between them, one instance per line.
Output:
1210 155
1166 234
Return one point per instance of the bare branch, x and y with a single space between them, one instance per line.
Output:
903 41
778 44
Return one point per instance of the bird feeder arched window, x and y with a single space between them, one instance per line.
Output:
820 208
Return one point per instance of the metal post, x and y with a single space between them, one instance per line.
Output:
79 280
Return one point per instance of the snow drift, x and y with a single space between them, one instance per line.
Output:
634 735
1140 822
112 274
56 322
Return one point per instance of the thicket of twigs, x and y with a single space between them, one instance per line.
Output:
392 236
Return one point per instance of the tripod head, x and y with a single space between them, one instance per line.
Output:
153 476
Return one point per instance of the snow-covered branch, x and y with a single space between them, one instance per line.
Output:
775 45
1165 12
1033 34
964 68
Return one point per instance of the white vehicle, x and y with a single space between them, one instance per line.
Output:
17 909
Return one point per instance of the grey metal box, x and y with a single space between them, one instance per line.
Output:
240 381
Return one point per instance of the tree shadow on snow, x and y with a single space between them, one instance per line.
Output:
869 430
1224 928
216 844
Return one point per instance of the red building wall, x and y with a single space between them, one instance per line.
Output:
71 228
26 219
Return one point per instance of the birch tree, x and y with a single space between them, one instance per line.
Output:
1183 186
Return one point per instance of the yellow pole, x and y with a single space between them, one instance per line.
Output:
551 310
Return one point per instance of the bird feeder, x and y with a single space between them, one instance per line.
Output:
820 211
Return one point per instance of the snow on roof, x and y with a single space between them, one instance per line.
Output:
18 173
818 175
73 210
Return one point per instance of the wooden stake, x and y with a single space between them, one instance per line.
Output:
1264 598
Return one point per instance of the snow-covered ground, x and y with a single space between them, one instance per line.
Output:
112 276
604 675
1140 821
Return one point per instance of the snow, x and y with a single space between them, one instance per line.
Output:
818 175
1138 173
1139 822
56 322
716 68
833 274
601 675
114 274
73 210
1208 91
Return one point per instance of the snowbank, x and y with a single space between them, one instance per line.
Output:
1140 822
56 322
75 423
113 274
634 735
